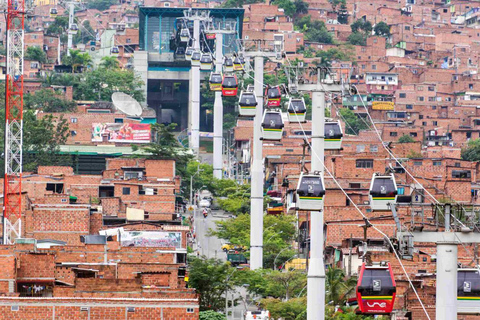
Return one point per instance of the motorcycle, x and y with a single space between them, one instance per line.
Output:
205 213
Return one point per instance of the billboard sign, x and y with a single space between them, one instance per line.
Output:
121 132
383 105
160 239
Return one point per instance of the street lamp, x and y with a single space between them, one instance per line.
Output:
275 260
226 292
191 183
275 234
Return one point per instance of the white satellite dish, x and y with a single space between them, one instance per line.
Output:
126 104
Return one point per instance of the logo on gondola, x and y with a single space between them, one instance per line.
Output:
377 304
377 285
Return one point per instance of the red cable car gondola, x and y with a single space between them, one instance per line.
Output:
229 85
376 289
274 96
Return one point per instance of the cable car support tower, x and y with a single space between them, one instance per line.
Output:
12 190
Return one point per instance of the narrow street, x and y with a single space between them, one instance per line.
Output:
211 247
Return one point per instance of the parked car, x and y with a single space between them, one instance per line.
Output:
257 315
227 247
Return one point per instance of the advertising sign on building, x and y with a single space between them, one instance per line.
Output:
383 105
159 239
121 132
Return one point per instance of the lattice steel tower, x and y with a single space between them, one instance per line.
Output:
12 192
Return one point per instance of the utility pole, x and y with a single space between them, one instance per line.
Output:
447 263
218 113
256 173
316 269
195 83
71 20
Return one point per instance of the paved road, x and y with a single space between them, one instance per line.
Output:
211 247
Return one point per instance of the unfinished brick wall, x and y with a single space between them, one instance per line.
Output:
99 309
36 265
55 170
64 223
110 206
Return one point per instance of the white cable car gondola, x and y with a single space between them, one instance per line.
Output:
310 192
228 65
215 81
383 191
247 104
196 58
296 110
73 28
468 291
272 125
188 53
115 51
53 12
184 35
333 135
206 62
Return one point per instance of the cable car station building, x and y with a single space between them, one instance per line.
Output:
166 75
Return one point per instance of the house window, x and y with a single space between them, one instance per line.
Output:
424 123
437 163
73 133
420 88
462 174
355 185
363 66
457 164
73 120
374 67
434 107
430 88
118 120
364 163
434 123
364 49
33 65
129 40
417 163
470 86
125 191
421 98
409 106
420 116
375 40
403 95
360 148
374 148
393 134
407 27
431 99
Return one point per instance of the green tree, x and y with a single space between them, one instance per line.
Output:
42 139
288 310
357 39
288 7
361 25
48 101
35 54
109 62
211 278
279 232
238 3
354 124
85 34
166 146
382 29
211 315
339 287
102 83
405 139
237 199
472 151
342 15
335 3
77 59
314 30
301 7
100 5
58 27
